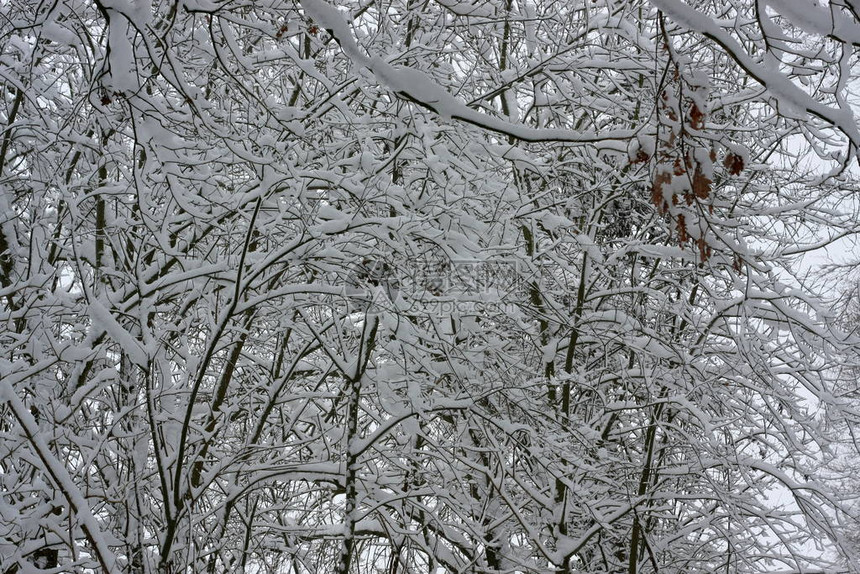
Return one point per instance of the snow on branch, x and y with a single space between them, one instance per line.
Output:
58 473
788 95
421 89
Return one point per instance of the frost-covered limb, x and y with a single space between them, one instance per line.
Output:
420 88
569 227
59 475
787 93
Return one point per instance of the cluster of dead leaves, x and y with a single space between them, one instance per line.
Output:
684 166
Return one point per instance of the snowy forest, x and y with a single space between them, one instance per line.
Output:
436 286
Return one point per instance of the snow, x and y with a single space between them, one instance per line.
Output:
103 319
121 61
469 8
422 89
824 20
218 380
79 505
790 97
